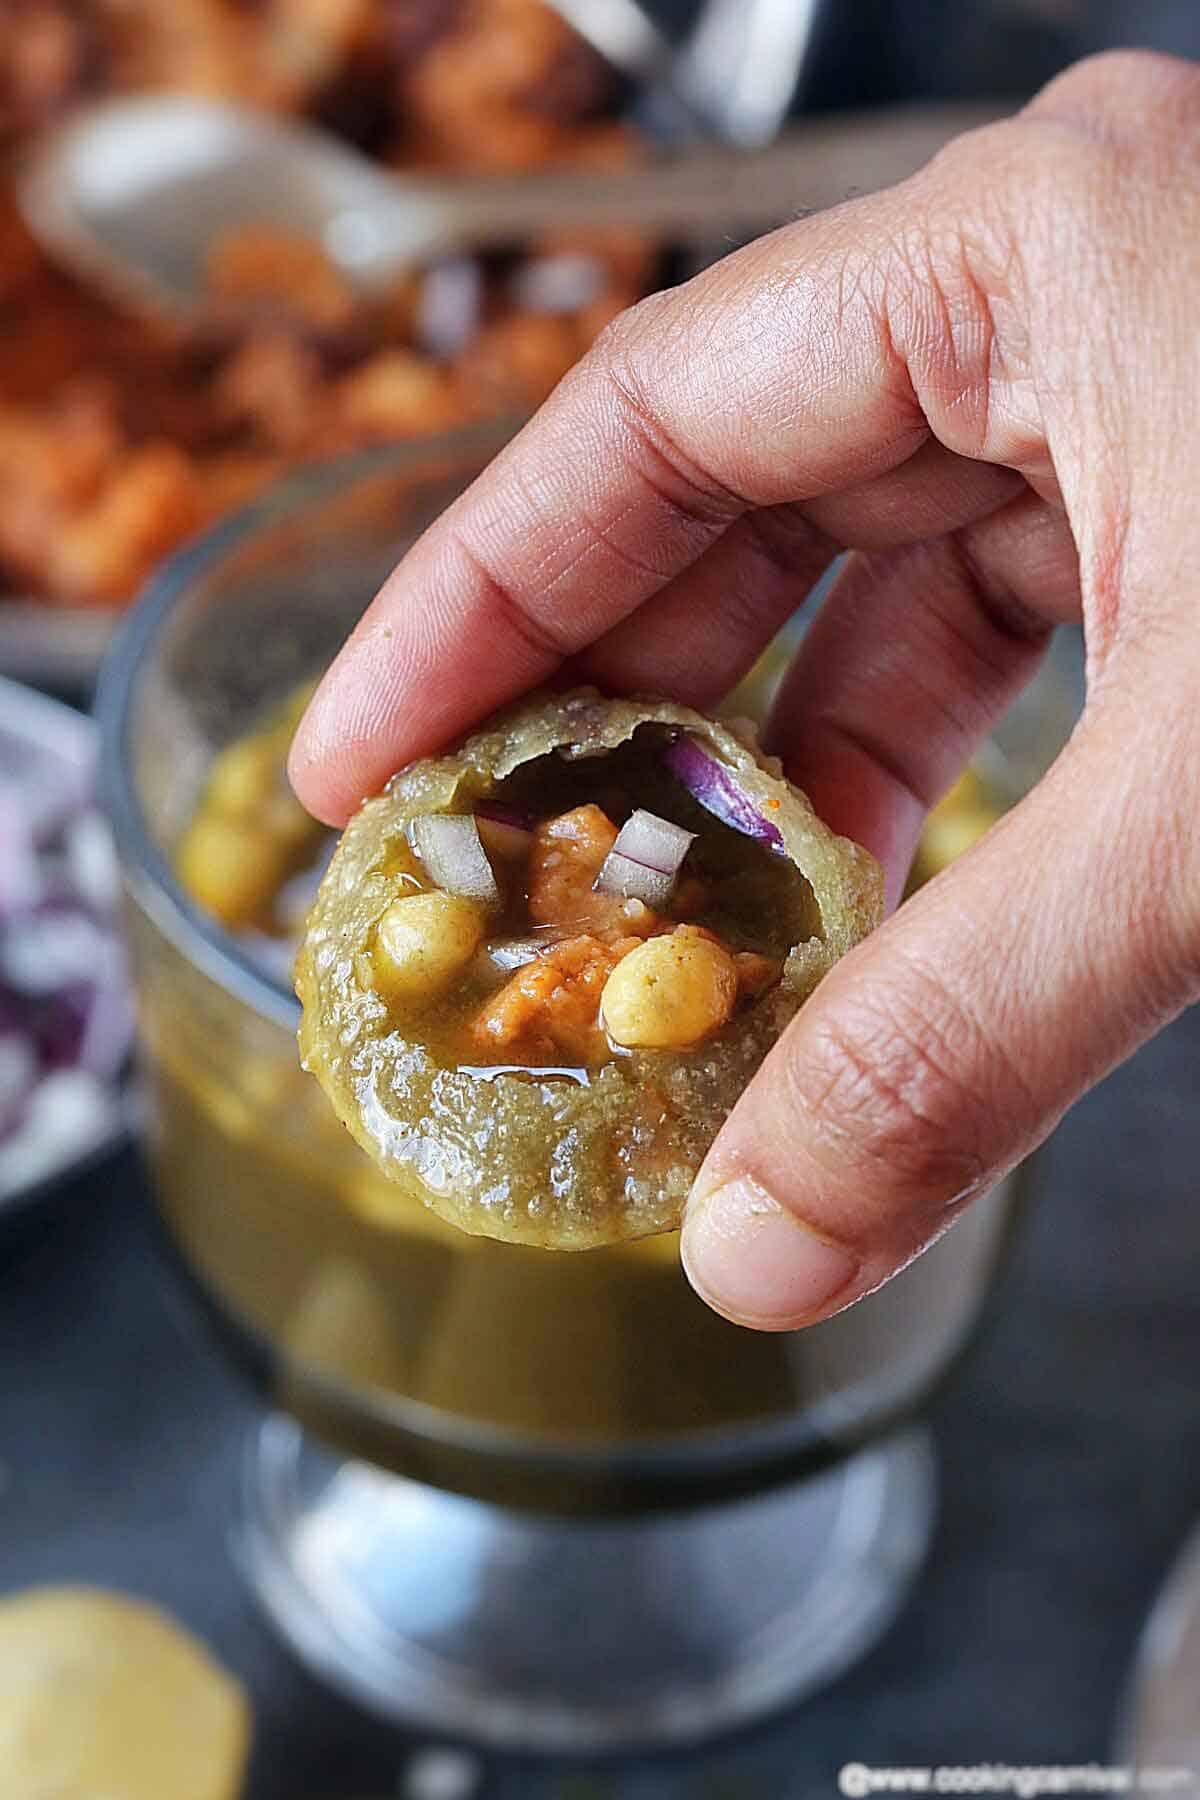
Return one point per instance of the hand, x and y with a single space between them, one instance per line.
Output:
985 382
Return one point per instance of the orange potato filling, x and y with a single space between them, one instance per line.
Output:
549 1010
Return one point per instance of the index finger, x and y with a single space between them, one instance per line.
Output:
772 377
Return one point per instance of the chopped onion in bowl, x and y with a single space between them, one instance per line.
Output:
66 1016
449 846
646 858
710 783
20 882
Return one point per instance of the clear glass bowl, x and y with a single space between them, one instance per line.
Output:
593 1391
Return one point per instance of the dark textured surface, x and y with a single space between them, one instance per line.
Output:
1069 1445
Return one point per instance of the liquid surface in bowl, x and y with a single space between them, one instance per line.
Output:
569 1102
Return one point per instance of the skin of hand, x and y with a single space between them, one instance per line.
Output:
983 383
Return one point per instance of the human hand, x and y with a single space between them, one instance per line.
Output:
984 383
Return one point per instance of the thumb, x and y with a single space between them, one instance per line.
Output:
940 1052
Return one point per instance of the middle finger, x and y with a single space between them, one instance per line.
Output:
698 636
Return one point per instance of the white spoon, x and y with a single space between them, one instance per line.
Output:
131 193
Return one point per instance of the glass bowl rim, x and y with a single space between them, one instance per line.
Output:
144 865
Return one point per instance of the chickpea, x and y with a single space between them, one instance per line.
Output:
669 993
422 942
243 776
230 868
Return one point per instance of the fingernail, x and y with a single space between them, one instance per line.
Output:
756 1262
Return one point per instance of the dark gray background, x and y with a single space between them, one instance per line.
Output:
1069 1442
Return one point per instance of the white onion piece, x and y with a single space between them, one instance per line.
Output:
69 1112
644 861
448 845
46 950
514 953
92 862
645 838
631 880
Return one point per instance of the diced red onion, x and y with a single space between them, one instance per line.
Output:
708 781
646 858
448 845
502 814
65 1012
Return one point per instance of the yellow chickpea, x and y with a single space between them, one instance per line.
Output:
669 993
244 776
423 941
230 867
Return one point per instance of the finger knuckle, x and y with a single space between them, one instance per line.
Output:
940 315
885 1084
619 345
636 368
1126 94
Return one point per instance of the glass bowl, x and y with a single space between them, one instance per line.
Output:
537 1498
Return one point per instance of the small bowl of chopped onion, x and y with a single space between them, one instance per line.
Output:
65 1009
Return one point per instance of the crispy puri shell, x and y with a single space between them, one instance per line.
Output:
552 1162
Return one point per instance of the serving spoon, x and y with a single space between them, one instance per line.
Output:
130 194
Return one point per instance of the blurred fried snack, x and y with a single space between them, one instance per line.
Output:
119 438
101 1694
